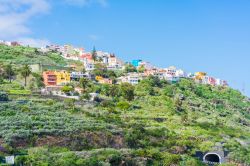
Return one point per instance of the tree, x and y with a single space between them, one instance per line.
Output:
38 80
114 91
94 54
127 91
105 89
154 81
84 83
25 72
130 68
141 69
83 69
111 74
168 90
178 104
67 89
9 72
100 70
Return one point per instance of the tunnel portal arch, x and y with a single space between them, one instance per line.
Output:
212 158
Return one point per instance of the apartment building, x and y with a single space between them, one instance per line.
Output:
49 78
53 78
76 76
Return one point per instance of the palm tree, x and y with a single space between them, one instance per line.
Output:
25 72
9 72
84 82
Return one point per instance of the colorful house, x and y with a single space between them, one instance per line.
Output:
132 78
150 72
14 43
50 78
160 73
62 77
53 78
209 80
200 75
98 78
106 81
136 62
78 75
102 80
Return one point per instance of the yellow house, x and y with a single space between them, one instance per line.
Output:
98 78
200 75
62 77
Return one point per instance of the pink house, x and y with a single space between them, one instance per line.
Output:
211 81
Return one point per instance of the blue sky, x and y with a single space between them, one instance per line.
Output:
196 35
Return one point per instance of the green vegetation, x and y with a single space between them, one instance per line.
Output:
26 55
25 72
19 92
3 96
164 125
152 123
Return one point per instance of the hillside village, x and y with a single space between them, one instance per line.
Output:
135 70
68 105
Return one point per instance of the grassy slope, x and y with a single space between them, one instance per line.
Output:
152 126
25 55
158 128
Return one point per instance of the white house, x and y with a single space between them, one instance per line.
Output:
220 82
89 66
160 74
171 70
132 78
181 73
79 75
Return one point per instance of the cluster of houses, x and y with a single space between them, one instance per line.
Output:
9 43
171 74
203 78
79 54
112 62
55 80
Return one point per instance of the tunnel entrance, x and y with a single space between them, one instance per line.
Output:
212 158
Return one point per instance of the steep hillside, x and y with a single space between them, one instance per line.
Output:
164 124
152 123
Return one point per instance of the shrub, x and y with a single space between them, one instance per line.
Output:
123 105
3 96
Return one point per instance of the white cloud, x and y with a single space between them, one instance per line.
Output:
15 14
82 3
34 42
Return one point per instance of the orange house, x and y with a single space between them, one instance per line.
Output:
49 78
106 81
